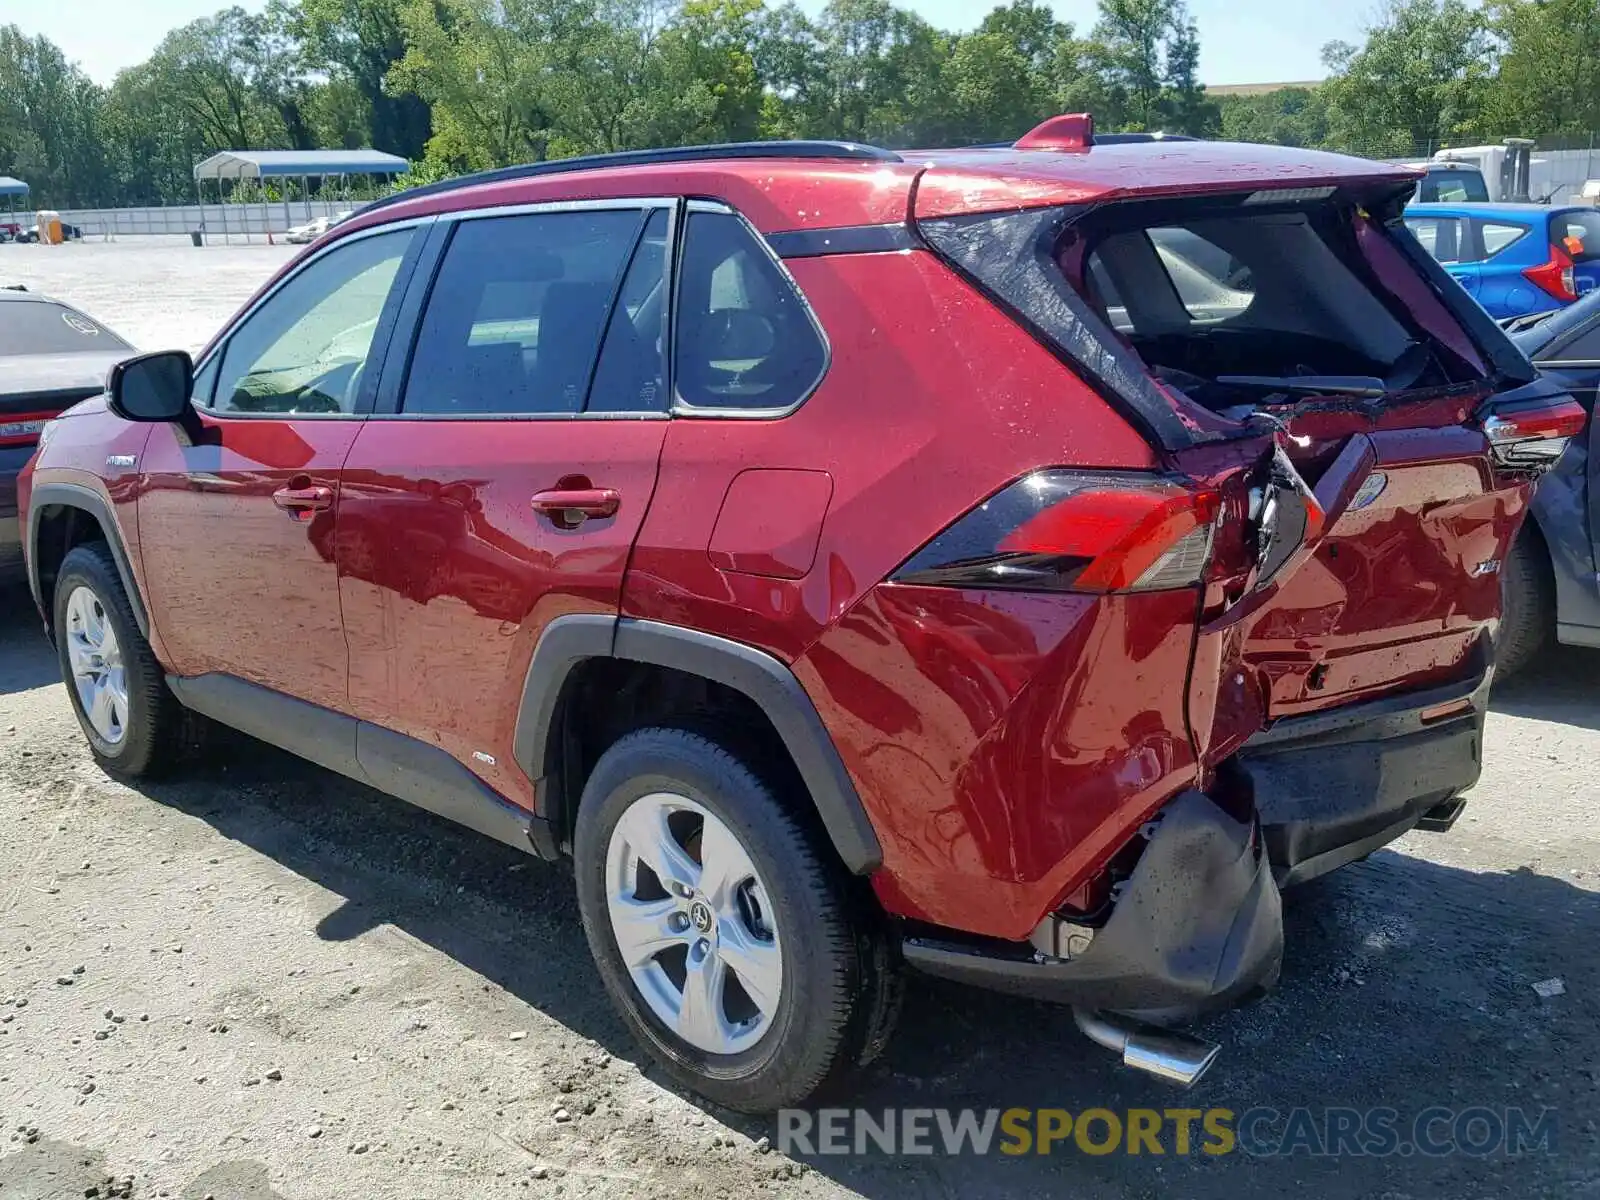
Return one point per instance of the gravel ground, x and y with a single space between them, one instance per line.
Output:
259 980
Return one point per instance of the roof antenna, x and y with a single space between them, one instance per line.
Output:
1069 131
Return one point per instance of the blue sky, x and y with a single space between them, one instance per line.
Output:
1242 41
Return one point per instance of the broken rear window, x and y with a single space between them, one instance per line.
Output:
1213 305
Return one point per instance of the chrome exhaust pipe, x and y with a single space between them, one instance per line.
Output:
1176 1057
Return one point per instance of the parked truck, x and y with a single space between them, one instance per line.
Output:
1477 174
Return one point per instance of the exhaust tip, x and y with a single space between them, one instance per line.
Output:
1165 1053
1442 815
1176 1058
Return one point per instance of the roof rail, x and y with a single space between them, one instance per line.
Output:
1121 139
845 151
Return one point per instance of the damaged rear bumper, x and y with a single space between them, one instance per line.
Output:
1333 787
1196 926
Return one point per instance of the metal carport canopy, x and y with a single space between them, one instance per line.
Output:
12 187
264 164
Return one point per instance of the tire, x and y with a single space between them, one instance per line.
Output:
151 736
1527 603
835 1003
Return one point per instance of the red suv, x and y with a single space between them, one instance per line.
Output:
1014 565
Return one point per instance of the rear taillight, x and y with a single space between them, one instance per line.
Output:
1535 436
1075 531
1556 276
23 428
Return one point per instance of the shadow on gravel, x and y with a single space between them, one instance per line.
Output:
1407 985
1563 685
27 660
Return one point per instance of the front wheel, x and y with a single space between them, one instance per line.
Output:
134 724
727 942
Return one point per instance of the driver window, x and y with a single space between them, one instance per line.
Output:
745 336
305 349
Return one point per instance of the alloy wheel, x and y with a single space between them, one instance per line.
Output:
693 923
96 661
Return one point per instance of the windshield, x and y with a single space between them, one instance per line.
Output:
43 327
1198 308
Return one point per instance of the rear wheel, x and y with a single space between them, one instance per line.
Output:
134 724
1527 603
728 943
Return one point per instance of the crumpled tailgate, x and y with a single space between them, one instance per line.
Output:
1394 588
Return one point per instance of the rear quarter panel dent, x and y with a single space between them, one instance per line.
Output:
1004 743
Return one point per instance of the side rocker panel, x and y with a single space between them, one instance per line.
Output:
395 764
313 733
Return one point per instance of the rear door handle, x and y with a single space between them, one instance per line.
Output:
300 503
577 504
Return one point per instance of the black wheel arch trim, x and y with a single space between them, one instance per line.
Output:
765 680
76 495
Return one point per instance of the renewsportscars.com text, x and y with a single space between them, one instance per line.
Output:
1258 1132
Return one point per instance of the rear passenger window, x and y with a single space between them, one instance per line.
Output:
517 313
1442 237
1497 235
629 375
1583 348
746 339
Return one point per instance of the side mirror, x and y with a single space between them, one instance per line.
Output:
152 387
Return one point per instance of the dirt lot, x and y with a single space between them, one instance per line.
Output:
259 980
158 292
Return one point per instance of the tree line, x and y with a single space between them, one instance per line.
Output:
455 85
1433 73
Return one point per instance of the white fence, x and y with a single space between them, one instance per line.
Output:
1561 174
220 222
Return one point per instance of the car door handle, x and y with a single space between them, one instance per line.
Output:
576 504
300 503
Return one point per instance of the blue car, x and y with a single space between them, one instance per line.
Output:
1515 259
